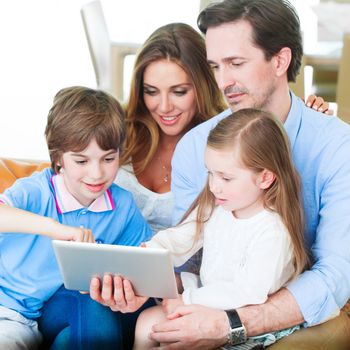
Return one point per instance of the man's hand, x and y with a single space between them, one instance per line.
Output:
192 327
170 305
200 327
117 293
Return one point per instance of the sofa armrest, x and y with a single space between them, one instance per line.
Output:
331 335
11 170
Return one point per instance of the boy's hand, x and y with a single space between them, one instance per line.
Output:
69 233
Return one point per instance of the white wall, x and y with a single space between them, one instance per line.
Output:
43 49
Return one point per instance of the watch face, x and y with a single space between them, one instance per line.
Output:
238 335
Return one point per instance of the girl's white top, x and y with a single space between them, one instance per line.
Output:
244 260
156 208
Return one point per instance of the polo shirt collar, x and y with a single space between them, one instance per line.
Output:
65 202
293 122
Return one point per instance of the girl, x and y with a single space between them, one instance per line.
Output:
84 132
248 219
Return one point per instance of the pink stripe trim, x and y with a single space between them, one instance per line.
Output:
54 188
110 199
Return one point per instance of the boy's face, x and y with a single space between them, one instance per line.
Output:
89 173
240 68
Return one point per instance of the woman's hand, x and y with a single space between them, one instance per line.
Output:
319 104
116 293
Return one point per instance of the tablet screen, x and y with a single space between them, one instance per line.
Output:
149 270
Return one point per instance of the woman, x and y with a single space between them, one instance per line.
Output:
172 90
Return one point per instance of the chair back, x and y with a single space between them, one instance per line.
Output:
99 43
343 85
298 87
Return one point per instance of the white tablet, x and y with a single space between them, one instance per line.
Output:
149 270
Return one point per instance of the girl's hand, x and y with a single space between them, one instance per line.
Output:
170 305
117 293
319 104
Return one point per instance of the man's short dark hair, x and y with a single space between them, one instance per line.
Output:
275 25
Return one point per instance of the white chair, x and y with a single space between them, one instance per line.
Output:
343 85
107 57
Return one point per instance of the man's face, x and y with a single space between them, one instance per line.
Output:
243 74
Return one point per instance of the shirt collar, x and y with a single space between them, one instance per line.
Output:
65 202
293 122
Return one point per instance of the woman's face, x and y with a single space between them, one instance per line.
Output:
169 95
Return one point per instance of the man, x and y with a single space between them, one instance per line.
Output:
254 48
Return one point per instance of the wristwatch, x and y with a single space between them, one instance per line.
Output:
237 333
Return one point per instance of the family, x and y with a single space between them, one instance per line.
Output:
213 158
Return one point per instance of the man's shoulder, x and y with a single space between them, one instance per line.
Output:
323 142
317 120
323 128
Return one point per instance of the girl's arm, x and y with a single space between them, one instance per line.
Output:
17 220
179 240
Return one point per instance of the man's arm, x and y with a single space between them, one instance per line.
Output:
280 311
200 327
324 289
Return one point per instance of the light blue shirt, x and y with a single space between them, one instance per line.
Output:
321 153
29 274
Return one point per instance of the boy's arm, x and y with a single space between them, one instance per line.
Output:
17 220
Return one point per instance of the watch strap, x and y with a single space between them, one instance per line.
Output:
233 318
237 333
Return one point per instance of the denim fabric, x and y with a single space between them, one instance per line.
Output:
71 320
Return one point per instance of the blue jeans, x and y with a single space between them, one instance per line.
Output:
71 320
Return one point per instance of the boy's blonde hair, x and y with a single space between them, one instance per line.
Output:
80 114
263 144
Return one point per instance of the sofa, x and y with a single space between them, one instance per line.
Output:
332 335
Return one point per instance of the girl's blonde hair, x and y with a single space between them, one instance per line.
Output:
179 43
263 144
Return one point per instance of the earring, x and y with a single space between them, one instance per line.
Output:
61 171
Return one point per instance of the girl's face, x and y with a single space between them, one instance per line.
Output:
169 96
89 173
235 187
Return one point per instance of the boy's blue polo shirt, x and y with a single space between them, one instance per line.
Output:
29 274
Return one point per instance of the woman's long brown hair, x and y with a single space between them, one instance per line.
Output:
179 43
